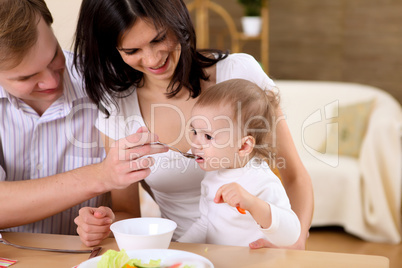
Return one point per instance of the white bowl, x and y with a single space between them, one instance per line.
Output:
143 233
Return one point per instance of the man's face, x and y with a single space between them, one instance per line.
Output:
38 79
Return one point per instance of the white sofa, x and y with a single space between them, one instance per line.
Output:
360 193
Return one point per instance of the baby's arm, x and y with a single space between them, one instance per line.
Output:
236 196
285 227
278 222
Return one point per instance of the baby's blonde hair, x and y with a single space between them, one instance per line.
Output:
256 106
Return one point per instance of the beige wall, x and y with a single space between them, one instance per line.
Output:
340 40
65 15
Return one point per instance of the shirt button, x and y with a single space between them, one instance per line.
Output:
39 166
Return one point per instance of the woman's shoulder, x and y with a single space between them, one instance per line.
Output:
238 58
243 66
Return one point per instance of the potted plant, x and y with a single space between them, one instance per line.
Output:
251 21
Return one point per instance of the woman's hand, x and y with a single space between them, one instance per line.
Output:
93 224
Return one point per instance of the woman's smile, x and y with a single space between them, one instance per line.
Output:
160 66
160 69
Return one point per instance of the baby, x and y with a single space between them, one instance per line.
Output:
242 200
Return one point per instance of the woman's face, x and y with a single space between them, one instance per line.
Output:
154 52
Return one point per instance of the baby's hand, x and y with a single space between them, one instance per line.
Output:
234 195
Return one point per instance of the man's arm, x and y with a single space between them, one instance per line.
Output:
23 202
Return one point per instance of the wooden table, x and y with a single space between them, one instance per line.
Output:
220 256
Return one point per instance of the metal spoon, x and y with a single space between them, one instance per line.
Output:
188 155
94 252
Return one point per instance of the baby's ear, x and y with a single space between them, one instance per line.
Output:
247 145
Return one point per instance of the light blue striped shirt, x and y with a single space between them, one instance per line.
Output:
62 139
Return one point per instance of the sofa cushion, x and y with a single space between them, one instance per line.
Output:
348 129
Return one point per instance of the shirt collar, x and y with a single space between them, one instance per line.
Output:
3 93
73 87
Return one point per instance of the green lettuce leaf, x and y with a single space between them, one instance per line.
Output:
113 259
138 263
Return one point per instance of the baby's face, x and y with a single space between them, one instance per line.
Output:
214 137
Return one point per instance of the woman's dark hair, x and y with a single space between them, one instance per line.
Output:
101 24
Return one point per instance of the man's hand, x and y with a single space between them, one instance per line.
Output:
93 224
127 160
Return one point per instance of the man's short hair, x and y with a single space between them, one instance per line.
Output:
18 29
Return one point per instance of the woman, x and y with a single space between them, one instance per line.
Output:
140 64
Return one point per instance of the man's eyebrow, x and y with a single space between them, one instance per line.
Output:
24 77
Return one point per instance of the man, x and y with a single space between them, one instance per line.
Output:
50 152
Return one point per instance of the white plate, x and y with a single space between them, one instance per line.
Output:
145 255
